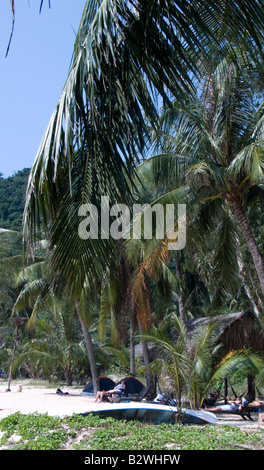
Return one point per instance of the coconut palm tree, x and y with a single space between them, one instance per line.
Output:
216 140
36 290
18 323
191 363
125 55
56 346
38 287
151 259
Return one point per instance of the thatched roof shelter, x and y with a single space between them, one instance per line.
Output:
241 330
237 331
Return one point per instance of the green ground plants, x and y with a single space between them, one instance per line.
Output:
80 432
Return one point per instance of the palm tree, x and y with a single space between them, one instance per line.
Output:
153 262
125 55
217 143
126 300
55 345
36 290
191 363
18 323
38 287
173 367
84 307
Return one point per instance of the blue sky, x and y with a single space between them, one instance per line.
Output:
33 74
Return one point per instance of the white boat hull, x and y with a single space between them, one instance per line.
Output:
152 413
198 417
148 412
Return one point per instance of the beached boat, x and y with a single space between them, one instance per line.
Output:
146 412
197 417
152 413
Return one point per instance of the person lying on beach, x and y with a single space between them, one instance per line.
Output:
118 389
231 405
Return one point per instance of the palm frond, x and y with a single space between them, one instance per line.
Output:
244 360
31 272
28 295
126 54
10 235
249 162
224 275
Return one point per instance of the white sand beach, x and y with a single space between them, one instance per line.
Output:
43 400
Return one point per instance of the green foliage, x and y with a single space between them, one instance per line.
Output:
12 199
38 432
80 432
192 363
126 53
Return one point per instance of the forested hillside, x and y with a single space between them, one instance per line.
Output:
12 199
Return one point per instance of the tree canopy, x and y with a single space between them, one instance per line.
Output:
12 199
188 77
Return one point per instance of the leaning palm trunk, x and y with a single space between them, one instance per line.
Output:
245 283
250 240
181 302
132 347
18 322
12 359
146 358
89 346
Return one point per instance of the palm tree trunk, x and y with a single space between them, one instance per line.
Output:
132 347
68 375
181 302
258 299
244 281
250 240
251 387
12 358
150 378
18 322
89 346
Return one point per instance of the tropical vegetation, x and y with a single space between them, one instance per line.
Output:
12 199
163 104
42 432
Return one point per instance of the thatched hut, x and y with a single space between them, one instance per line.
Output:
237 331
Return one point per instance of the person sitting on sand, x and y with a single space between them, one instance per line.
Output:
118 389
231 405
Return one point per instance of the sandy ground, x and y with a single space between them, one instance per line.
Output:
45 400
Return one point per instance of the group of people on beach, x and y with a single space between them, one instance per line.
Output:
237 405
230 405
